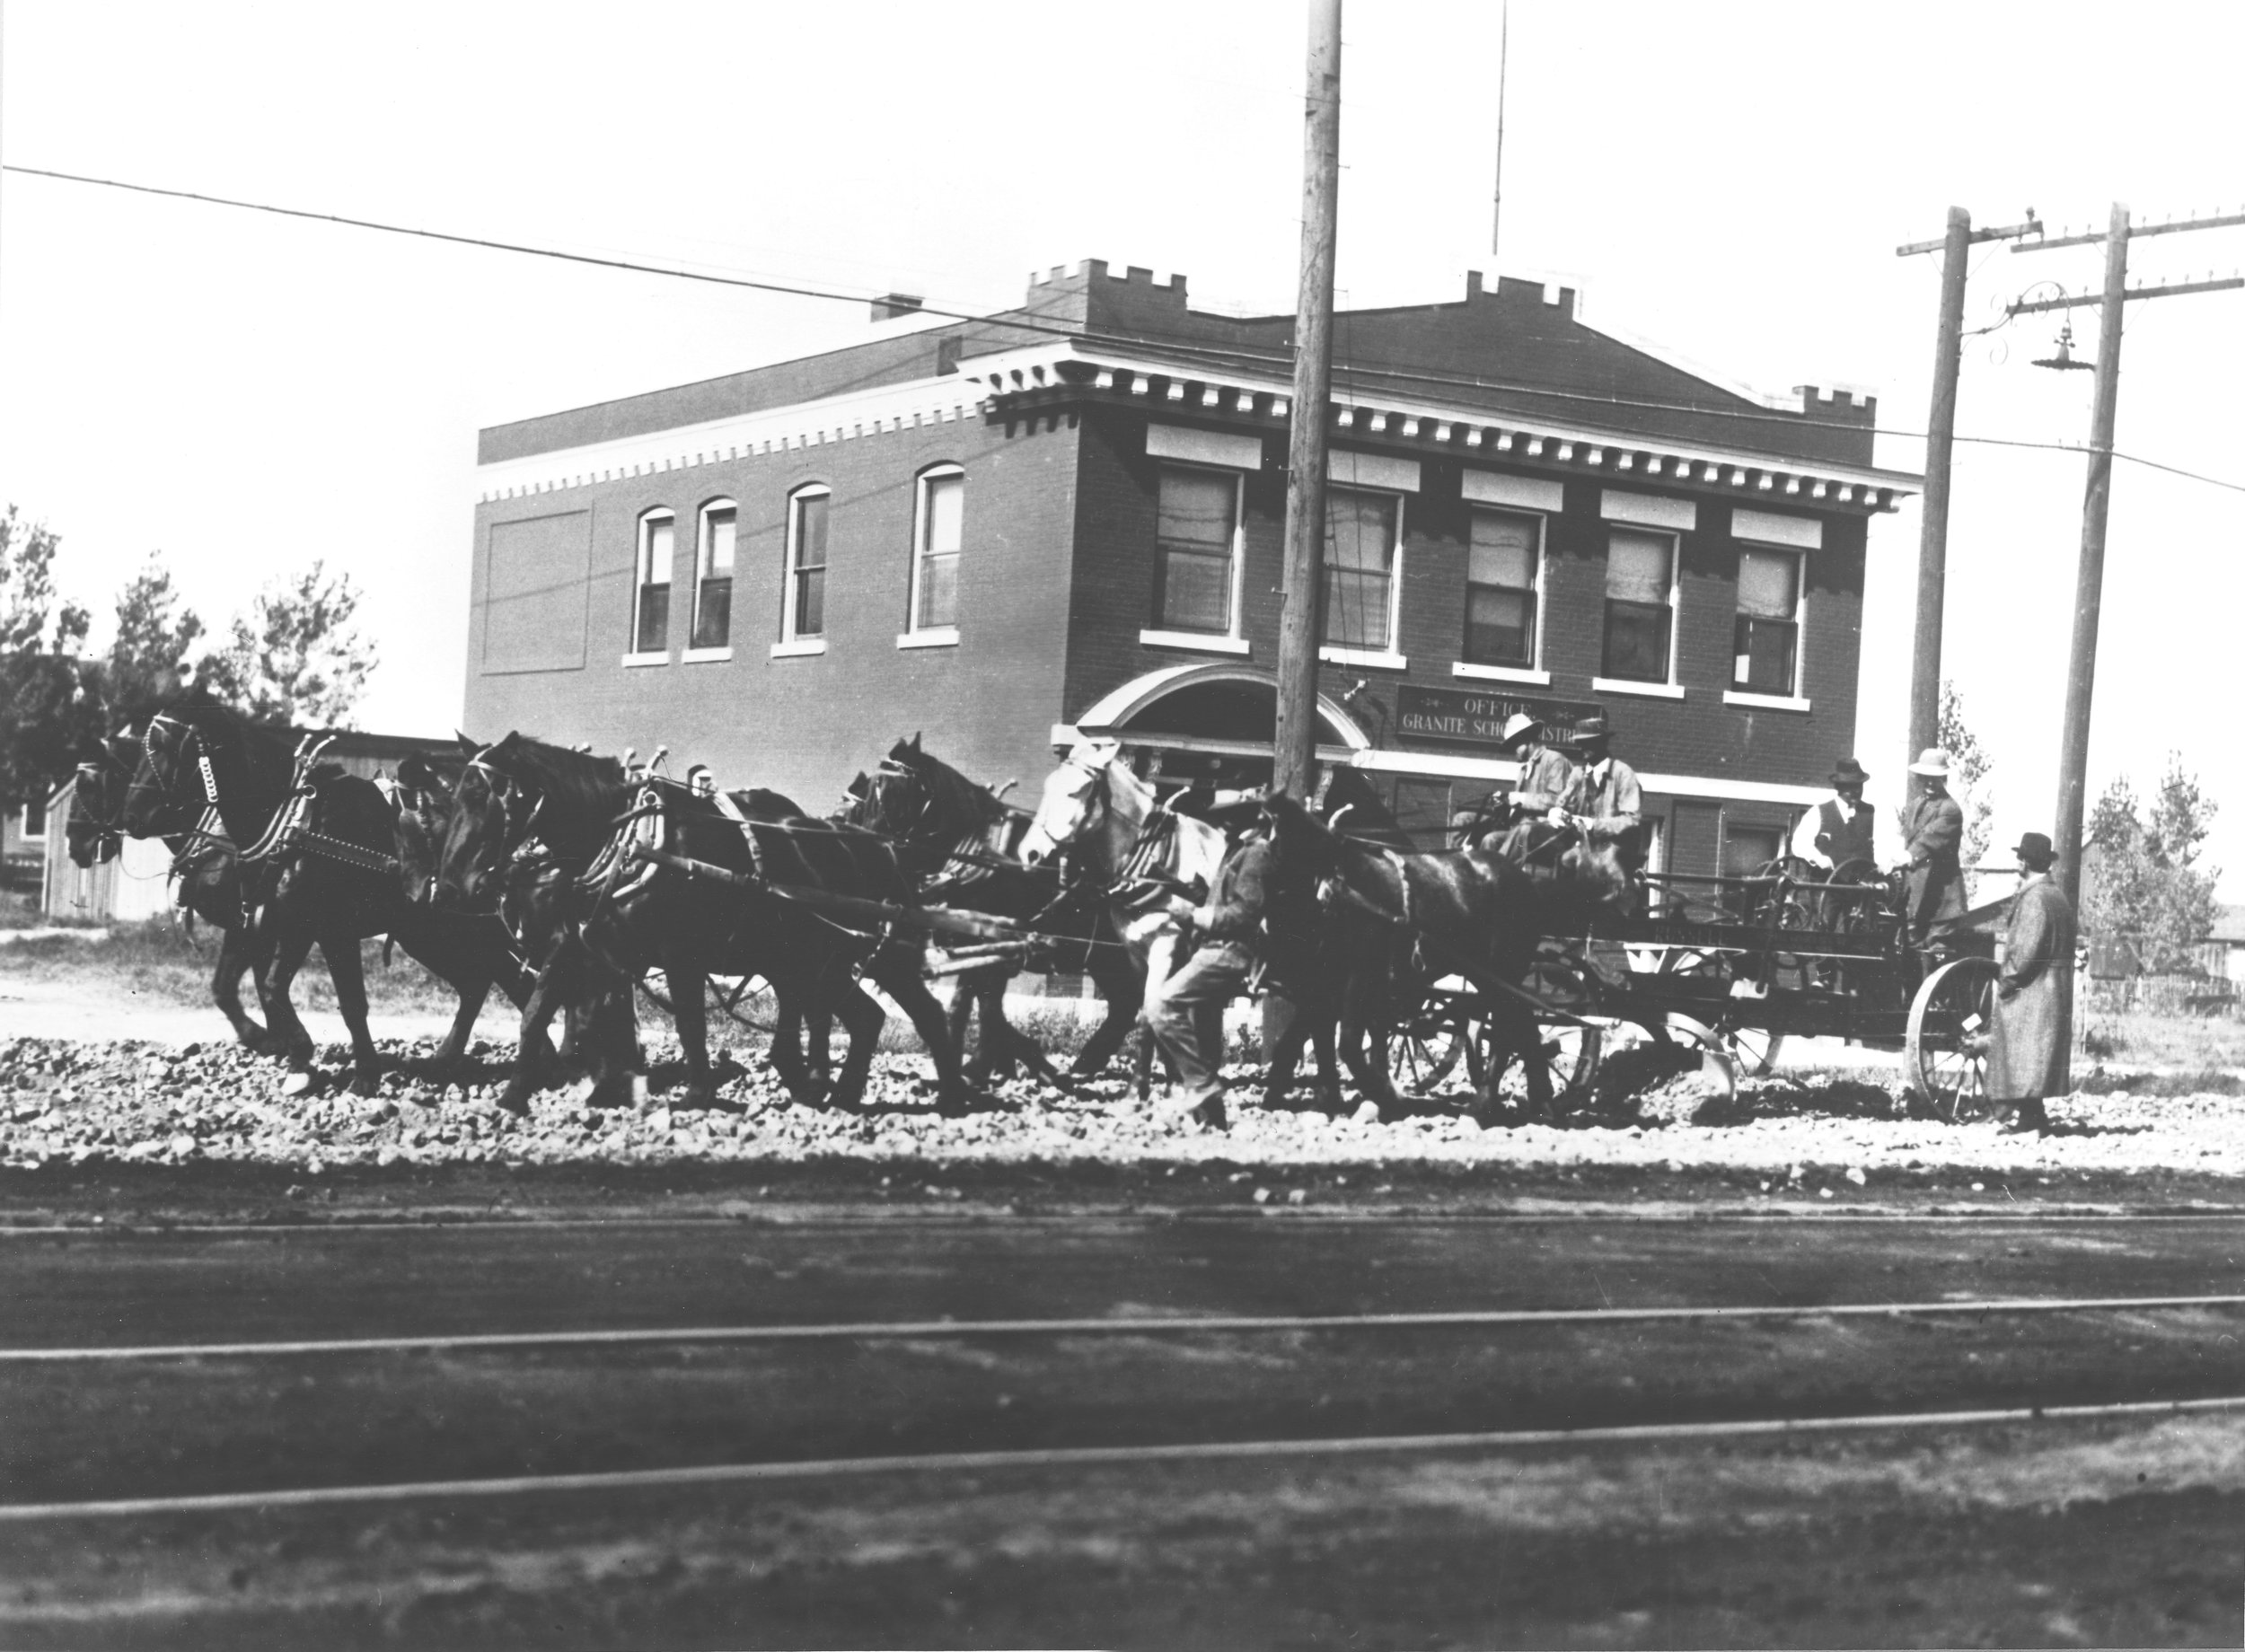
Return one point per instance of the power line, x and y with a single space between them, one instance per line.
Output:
1010 321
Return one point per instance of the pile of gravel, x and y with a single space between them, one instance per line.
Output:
77 1103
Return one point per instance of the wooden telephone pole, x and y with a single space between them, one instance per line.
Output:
1294 742
2089 584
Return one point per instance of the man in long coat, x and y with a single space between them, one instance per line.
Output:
1932 837
2030 1057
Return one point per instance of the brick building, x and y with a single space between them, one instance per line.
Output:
1068 519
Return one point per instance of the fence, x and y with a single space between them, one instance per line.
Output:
2164 995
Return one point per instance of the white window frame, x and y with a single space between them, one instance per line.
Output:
915 635
691 654
1533 673
792 644
642 554
1672 689
1383 659
23 823
1732 695
1233 640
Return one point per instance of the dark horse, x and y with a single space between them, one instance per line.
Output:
204 866
1466 912
961 842
197 753
643 908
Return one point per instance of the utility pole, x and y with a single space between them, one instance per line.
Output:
2088 578
1294 741
1940 429
1933 534
2096 504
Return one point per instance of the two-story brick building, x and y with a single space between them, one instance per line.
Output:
1069 520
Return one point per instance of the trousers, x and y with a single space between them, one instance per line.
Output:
1185 1011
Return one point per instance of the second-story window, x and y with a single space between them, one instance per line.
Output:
1196 534
940 531
1767 637
713 575
1503 575
1640 605
651 587
806 599
1360 571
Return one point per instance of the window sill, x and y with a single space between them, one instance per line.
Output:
1501 674
1204 642
1379 658
664 658
704 656
935 637
1766 702
1648 691
798 648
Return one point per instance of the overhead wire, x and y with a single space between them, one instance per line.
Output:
1015 322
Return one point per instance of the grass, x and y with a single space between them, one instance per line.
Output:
2139 1039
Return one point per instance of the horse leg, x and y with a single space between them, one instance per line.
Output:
1359 1014
1328 1062
1285 1026
292 944
1126 995
549 990
347 971
863 1019
955 1023
690 1016
897 973
237 955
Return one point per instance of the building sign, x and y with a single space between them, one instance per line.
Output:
1475 716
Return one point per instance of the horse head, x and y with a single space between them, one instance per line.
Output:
170 775
95 831
491 815
1079 798
425 807
1593 869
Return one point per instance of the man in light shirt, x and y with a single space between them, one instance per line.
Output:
1842 828
1605 798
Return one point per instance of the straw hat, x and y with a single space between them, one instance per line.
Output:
1934 762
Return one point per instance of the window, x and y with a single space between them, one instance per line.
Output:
651 588
32 828
805 602
939 533
713 575
1767 638
1360 571
1640 597
1196 539
1504 568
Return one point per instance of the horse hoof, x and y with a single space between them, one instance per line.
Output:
1368 1113
296 1084
365 1084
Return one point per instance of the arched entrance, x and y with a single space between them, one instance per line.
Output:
1209 722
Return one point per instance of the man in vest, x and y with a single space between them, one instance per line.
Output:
1839 830
1605 798
1185 1010
1932 835
2029 1056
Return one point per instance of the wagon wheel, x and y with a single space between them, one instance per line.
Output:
1945 1049
1570 1053
1791 911
1852 915
1426 1044
1753 1051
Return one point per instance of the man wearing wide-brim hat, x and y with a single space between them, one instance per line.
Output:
1606 799
2030 1057
1546 774
1932 838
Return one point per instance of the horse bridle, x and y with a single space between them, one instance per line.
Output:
509 793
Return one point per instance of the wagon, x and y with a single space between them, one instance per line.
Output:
1731 967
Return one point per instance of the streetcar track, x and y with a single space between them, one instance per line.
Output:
1099 1456
1135 1325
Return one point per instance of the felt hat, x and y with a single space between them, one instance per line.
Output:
2035 851
1591 729
1520 723
1934 762
1847 772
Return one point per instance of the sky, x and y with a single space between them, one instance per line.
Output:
242 392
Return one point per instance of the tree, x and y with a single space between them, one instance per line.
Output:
1970 765
147 660
2142 881
45 719
297 656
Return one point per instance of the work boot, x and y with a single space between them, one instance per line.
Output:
2031 1117
1211 1115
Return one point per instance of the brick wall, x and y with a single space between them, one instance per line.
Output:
805 724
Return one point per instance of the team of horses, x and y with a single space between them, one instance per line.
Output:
567 880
